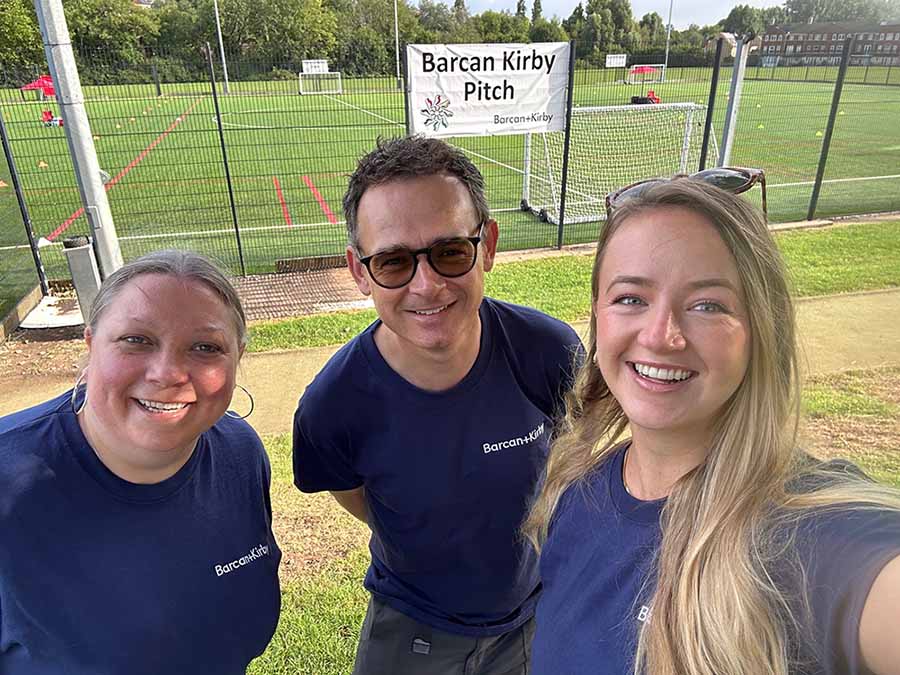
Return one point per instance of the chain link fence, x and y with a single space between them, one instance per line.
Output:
258 184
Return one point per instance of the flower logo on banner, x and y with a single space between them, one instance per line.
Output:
437 112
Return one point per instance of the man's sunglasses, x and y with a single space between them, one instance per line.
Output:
732 179
448 257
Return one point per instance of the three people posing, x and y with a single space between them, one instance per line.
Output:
681 530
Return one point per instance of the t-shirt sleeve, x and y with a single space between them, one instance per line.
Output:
321 449
842 553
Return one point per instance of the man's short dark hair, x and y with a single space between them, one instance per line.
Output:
411 157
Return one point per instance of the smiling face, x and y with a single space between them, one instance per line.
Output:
673 335
432 314
161 371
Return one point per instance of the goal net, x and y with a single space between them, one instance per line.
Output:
610 147
646 72
315 78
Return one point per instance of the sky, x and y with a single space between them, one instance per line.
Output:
684 12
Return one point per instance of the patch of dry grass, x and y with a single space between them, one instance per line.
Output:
312 530
857 417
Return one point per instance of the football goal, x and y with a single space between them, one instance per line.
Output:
610 147
315 78
646 73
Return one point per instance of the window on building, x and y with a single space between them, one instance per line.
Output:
840 36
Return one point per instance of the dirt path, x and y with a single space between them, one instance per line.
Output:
857 330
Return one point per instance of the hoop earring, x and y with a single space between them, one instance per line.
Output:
78 381
235 416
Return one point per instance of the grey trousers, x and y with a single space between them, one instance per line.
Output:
392 643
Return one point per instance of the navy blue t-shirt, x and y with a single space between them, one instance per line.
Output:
599 555
448 475
99 576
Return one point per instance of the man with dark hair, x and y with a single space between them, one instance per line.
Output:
432 425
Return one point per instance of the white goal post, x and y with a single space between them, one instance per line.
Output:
640 73
315 78
610 147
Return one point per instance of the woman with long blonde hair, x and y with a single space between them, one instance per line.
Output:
707 542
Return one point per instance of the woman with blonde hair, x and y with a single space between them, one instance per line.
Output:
707 543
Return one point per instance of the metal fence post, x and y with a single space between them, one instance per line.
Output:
61 59
23 208
710 104
234 218
826 141
406 116
155 72
565 165
734 103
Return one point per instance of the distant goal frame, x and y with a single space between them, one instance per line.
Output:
317 70
661 69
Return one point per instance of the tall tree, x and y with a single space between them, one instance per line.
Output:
436 19
653 32
180 28
500 27
460 12
774 16
521 9
609 26
805 11
536 11
114 31
744 21
547 31
364 54
298 29
20 40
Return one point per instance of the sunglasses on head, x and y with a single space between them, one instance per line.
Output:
731 179
450 258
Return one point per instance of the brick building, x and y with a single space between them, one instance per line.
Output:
821 44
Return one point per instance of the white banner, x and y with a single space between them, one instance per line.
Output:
487 89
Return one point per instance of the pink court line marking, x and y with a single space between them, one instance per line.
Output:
284 208
319 198
124 172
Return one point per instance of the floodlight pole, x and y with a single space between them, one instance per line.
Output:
61 59
397 45
668 36
734 102
221 47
